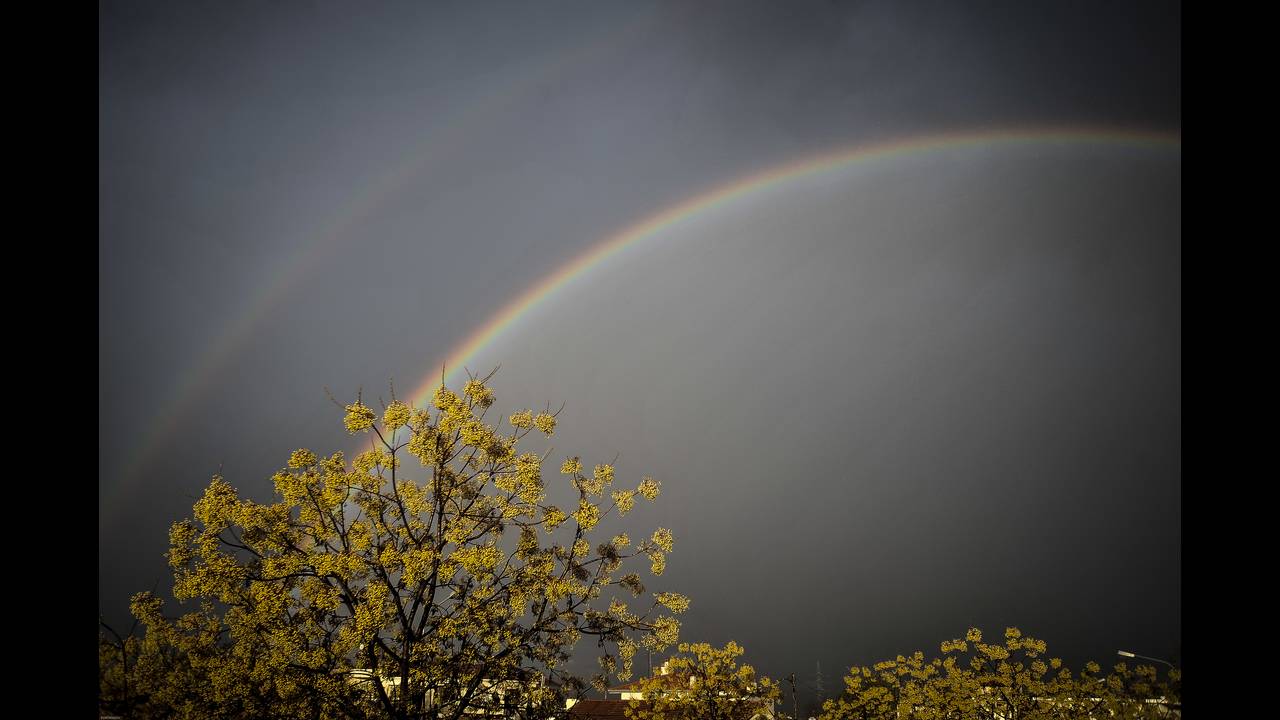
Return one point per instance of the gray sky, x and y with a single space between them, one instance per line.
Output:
887 403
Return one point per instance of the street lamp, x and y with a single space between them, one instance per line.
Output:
1126 653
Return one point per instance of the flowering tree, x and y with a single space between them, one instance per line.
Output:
705 683
1009 679
368 590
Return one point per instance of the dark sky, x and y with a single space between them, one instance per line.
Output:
887 403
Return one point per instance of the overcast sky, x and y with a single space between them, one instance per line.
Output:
887 402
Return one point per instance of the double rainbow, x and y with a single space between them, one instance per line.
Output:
455 361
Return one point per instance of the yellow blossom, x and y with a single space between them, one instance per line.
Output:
479 393
444 398
553 517
649 488
359 417
587 515
995 652
603 474
546 423
666 630
477 434
675 602
396 415
422 445
625 500
302 458
657 563
478 559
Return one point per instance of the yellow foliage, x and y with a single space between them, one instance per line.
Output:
545 422
704 683
997 681
359 417
396 415
587 515
649 488
380 565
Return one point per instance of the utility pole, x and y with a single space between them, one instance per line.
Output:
795 712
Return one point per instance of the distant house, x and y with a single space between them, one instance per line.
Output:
494 698
629 694
634 690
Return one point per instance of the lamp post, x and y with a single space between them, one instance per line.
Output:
1162 699
1126 653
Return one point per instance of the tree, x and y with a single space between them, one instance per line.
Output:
705 683
366 590
118 680
1009 679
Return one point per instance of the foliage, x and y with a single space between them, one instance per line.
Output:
121 687
1010 679
444 593
705 683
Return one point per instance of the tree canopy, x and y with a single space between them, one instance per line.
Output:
704 682
1012 678
370 589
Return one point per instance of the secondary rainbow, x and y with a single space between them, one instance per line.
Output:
509 315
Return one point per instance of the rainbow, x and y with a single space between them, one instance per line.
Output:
448 369
454 362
